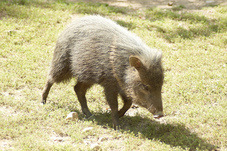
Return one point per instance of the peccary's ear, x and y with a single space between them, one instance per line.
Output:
135 62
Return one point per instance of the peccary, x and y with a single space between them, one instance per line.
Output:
96 50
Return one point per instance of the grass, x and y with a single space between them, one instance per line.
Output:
194 92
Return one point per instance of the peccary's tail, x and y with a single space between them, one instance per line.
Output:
60 71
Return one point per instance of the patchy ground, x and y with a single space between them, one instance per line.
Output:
188 4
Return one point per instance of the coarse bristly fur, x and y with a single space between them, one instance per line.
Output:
94 50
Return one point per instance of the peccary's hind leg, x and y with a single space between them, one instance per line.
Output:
46 91
127 104
80 89
59 71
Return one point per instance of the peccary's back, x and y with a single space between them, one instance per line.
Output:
99 49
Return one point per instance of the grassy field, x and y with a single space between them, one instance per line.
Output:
194 45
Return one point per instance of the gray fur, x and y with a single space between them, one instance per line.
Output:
96 50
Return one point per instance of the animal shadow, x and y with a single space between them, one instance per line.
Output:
175 135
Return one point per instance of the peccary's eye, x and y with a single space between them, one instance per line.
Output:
146 87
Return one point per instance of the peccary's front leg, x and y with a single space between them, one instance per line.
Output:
81 89
111 97
127 104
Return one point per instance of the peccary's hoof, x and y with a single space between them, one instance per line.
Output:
43 102
117 128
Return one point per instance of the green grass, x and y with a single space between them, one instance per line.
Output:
194 92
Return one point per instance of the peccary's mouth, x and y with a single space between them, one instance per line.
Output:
158 115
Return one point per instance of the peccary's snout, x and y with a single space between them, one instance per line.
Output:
157 113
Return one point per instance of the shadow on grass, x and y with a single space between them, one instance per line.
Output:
128 25
88 8
188 25
195 26
175 135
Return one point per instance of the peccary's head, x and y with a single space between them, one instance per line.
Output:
146 79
